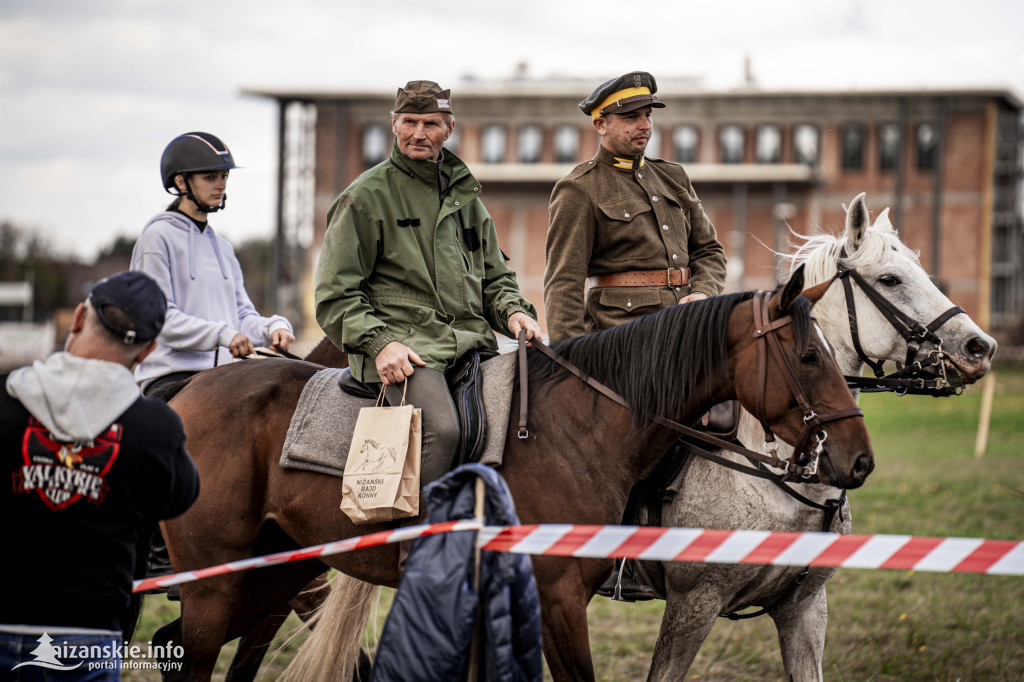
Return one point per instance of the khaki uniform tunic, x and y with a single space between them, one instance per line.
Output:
604 219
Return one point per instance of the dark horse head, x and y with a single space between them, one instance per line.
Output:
678 362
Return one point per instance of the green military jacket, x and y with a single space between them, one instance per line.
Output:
612 215
404 261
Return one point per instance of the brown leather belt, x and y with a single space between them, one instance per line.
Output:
672 277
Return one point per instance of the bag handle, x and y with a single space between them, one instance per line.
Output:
383 390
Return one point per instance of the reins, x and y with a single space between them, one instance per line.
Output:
765 334
913 376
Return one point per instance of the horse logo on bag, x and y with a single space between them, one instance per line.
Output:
373 455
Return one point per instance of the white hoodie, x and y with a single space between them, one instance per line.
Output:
75 398
206 299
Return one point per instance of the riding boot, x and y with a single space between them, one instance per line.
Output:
622 585
158 563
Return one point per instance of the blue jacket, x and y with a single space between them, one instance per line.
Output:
430 627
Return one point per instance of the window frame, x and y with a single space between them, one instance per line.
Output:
845 160
721 143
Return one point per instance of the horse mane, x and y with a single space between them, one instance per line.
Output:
169 390
684 343
819 253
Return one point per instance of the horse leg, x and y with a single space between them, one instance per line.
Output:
165 638
565 588
688 619
206 614
253 645
801 626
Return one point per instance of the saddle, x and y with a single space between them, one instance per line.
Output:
466 387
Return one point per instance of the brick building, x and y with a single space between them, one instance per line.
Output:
947 163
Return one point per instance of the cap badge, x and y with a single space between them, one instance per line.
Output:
636 80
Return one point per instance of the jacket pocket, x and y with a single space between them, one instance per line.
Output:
631 299
625 232
624 210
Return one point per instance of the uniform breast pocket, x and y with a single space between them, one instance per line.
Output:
680 205
621 229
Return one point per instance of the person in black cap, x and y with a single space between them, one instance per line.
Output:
627 237
85 463
411 277
627 234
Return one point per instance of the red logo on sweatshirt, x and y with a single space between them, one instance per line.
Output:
64 473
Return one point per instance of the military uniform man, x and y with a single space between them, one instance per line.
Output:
627 237
627 234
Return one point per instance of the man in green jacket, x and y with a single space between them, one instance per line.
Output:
411 273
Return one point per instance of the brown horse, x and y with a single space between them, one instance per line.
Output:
583 455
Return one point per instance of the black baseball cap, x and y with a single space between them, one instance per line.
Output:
141 300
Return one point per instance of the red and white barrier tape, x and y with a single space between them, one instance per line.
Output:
906 552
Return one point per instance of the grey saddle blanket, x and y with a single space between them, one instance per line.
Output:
320 433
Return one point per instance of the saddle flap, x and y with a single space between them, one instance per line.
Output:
466 388
349 384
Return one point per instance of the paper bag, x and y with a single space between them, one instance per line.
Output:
382 474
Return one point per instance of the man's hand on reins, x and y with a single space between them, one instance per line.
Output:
521 321
695 296
395 361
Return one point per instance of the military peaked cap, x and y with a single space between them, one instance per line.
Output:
621 95
423 97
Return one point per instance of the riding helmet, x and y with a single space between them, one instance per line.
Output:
191 153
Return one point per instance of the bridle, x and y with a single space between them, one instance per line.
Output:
813 434
804 465
926 376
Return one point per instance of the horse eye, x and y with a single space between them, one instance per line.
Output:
889 281
809 357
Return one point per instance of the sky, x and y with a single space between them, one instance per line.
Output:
91 91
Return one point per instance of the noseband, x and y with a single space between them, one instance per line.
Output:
813 434
921 377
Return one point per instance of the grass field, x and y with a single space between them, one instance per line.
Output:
883 625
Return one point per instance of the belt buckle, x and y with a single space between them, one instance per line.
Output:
668 277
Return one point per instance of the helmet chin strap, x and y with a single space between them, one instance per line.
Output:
200 206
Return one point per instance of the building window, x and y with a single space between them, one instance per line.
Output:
852 153
684 141
805 144
927 146
768 146
375 145
730 139
492 141
530 139
654 144
567 143
452 143
888 146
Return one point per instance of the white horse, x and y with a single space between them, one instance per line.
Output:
708 495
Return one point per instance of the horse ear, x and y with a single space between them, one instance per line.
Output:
792 290
882 222
856 221
814 294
